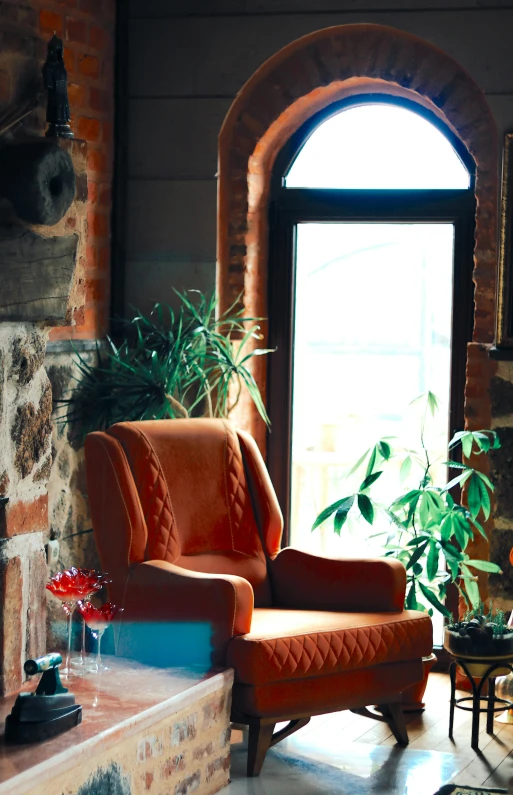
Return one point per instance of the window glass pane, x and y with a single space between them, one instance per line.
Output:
372 332
377 147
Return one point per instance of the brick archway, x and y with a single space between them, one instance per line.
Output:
301 79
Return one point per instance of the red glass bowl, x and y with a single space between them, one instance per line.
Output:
98 618
73 584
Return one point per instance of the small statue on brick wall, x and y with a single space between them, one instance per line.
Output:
56 82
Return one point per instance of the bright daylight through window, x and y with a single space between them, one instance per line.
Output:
377 146
373 314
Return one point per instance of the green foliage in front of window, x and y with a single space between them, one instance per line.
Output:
429 530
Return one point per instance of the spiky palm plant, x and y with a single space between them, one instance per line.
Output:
168 365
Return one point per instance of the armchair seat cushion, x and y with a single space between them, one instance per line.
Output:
293 644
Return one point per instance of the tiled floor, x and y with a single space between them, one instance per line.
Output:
347 754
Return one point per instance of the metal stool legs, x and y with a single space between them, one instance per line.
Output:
476 698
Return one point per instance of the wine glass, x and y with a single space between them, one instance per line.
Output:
62 586
90 582
69 586
98 619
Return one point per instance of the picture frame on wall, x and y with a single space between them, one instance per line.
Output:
504 324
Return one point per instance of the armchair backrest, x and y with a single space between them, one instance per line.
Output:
190 492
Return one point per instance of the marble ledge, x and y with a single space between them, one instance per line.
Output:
115 705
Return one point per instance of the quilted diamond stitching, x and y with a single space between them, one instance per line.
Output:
158 513
313 653
236 479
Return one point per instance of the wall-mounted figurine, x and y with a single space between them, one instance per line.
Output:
55 80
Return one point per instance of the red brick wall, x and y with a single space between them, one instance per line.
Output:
301 79
87 29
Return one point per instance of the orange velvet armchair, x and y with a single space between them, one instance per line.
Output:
188 526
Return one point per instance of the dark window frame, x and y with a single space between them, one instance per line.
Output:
290 206
291 149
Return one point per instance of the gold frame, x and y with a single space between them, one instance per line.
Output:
504 324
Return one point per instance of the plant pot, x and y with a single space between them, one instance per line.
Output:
478 669
479 656
413 695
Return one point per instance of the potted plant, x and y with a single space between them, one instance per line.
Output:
424 525
481 636
168 365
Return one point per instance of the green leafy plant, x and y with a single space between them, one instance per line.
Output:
168 365
429 530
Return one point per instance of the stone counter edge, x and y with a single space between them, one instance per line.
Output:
77 754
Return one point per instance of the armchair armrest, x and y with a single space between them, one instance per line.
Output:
309 582
159 595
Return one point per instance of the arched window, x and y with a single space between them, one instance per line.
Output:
377 146
370 293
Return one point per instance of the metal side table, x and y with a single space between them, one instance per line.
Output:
483 670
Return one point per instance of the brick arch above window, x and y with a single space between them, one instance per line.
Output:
303 78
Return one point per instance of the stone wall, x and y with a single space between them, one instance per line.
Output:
68 510
25 461
26 474
26 448
184 753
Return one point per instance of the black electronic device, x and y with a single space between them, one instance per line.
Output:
46 712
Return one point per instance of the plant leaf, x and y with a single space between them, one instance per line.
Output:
416 555
326 513
456 439
450 552
412 497
479 527
358 463
484 565
384 449
372 462
483 441
342 513
485 480
369 480
458 480
433 403
461 531
432 560
430 596
405 468
485 497
447 527
418 540
366 508
474 496
425 510
471 586
456 465
411 598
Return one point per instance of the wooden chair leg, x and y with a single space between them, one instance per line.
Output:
395 719
260 736
384 709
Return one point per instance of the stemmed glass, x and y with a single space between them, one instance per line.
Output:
98 619
70 586
96 581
